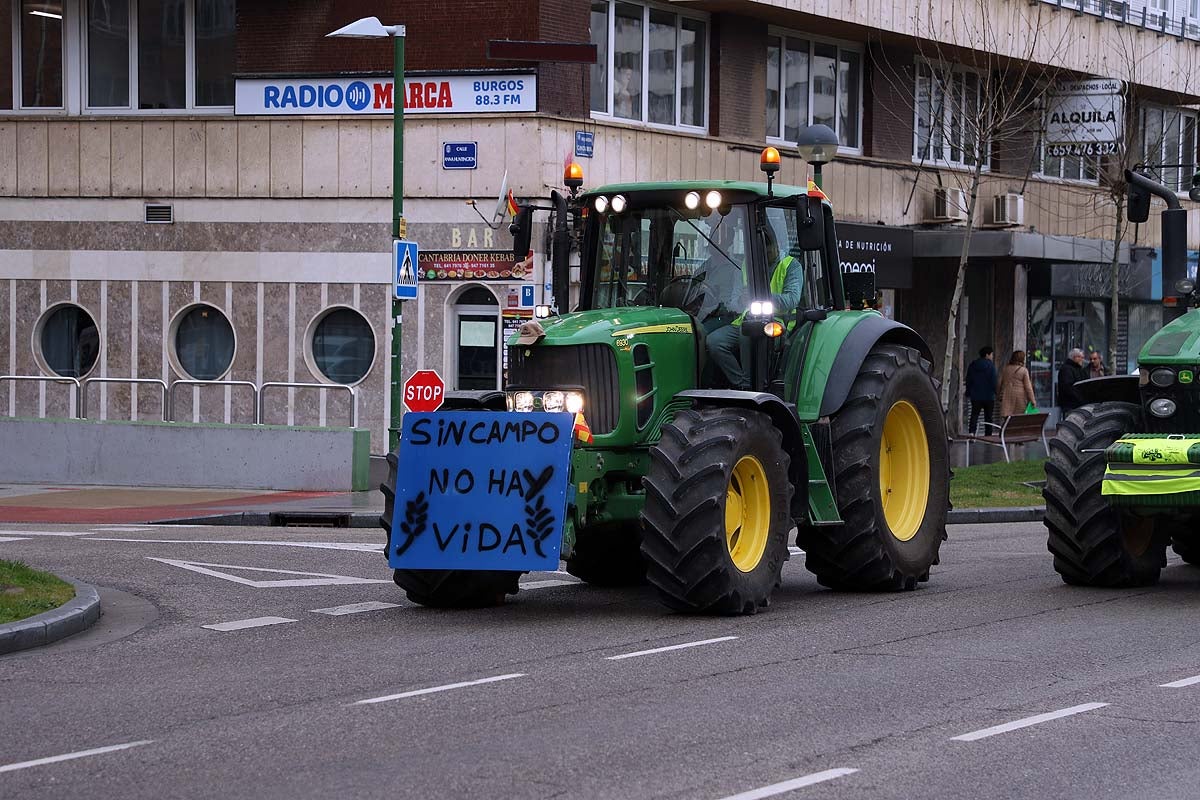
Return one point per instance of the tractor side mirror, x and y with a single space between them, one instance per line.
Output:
810 225
1137 203
522 232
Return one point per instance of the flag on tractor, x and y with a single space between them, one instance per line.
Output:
512 205
582 432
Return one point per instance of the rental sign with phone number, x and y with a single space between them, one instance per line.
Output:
488 93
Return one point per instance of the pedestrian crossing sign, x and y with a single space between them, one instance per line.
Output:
404 268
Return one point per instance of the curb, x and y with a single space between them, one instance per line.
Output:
264 519
983 516
76 615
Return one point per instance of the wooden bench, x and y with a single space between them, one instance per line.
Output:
1017 429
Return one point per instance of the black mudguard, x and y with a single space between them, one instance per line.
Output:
853 352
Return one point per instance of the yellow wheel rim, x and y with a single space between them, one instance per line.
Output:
904 470
747 513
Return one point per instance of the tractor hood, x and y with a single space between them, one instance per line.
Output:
607 325
1177 343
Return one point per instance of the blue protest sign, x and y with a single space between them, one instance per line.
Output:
481 491
404 268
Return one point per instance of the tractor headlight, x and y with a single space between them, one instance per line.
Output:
618 204
762 308
692 200
712 199
574 402
601 204
553 401
522 401
1162 407
1162 377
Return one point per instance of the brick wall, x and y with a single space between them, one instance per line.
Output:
738 71
563 88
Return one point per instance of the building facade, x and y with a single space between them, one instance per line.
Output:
200 190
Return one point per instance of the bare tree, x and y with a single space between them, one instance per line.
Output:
978 87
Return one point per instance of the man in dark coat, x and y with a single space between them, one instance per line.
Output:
1071 372
981 387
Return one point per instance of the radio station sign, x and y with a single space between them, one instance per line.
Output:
425 94
1085 112
473 265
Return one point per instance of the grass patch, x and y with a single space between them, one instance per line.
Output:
25 591
997 485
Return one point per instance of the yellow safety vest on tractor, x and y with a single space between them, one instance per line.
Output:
1141 468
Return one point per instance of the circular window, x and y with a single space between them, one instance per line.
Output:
342 345
69 341
204 342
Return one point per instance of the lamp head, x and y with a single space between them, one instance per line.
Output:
367 28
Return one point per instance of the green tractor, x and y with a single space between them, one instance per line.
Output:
1123 476
732 389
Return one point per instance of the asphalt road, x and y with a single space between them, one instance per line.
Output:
825 695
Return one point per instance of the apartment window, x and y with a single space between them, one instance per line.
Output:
810 82
69 341
31 76
948 108
342 345
159 54
651 64
1169 146
1069 162
203 342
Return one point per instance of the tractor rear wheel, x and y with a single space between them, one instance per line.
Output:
716 519
609 555
443 588
891 475
1095 544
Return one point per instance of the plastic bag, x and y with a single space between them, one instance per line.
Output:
1030 408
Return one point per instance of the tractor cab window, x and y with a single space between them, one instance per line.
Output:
658 257
782 238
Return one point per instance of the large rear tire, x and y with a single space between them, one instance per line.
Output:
717 517
441 588
891 473
1093 543
609 555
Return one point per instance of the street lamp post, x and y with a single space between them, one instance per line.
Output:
818 145
372 28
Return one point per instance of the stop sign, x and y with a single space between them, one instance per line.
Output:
424 391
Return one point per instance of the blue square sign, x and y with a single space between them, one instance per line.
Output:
584 141
527 296
405 268
460 155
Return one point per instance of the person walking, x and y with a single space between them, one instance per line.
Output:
1016 387
981 388
1070 373
1095 366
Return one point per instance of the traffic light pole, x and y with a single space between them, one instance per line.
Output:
397 231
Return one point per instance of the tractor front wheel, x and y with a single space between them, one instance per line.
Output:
717 517
891 475
443 588
1095 544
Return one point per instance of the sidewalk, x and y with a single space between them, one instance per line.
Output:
117 505
124 505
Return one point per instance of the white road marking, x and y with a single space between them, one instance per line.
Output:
546 584
1181 683
45 533
362 547
13 538
95 751
354 608
670 647
241 624
1026 722
796 551
314 579
435 689
794 783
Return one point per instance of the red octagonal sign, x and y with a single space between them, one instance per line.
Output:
424 391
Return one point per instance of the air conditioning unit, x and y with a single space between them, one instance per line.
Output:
1008 209
949 205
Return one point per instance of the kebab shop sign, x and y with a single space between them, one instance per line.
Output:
488 93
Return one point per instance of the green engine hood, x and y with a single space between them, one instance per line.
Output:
609 325
1177 343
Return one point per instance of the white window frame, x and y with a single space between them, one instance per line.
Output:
1041 165
70 66
607 115
1184 180
941 160
189 38
782 34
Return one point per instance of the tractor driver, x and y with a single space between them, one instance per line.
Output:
727 347
720 275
